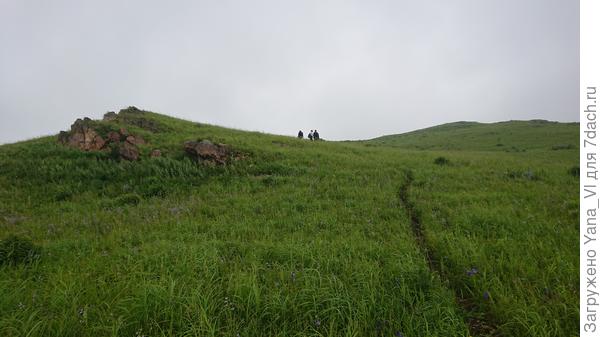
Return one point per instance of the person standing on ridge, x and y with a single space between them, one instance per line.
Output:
310 135
316 135
300 134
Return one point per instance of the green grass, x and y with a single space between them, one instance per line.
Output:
298 239
512 136
519 230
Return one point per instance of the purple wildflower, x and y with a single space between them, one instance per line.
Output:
486 295
398 334
472 271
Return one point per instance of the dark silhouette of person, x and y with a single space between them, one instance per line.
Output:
310 135
316 135
300 134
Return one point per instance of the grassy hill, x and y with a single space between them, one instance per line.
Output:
512 136
295 238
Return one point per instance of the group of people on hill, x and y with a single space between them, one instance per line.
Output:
313 135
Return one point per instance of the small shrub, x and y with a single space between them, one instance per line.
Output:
127 199
441 161
155 189
574 171
113 152
516 174
563 147
63 194
514 149
15 250
409 174
269 181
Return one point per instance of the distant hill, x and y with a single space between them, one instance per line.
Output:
510 136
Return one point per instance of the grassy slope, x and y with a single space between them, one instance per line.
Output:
521 234
300 238
513 136
510 211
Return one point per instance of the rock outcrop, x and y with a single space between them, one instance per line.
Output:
129 151
110 116
114 137
135 140
137 117
85 137
206 152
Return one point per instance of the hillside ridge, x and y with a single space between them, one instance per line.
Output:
507 136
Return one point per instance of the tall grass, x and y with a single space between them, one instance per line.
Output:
298 239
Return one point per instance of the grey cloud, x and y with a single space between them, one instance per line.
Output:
352 69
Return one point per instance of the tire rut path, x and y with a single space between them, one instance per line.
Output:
480 324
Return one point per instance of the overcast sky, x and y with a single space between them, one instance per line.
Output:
351 69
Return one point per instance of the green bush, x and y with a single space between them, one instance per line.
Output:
63 194
563 147
132 199
155 188
15 250
574 171
441 161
